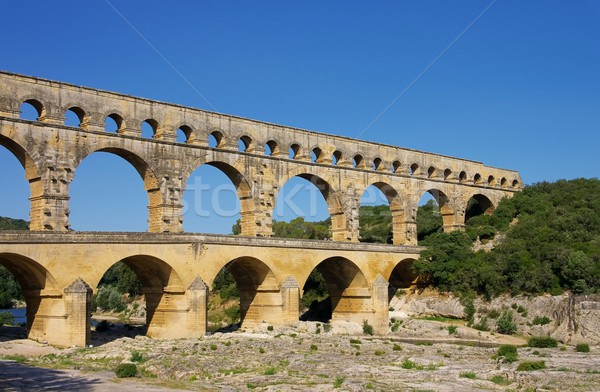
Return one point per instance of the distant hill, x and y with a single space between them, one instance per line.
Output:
13 224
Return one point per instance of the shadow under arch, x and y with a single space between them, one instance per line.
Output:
243 190
35 281
345 282
339 230
255 282
146 172
396 210
160 286
401 277
32 175
478 204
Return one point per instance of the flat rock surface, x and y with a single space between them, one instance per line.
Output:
292 359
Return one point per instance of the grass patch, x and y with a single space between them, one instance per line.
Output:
452 329
270 371
500 380
126 370
16 358
355 341
582 348
506 353
529 366
367 328
540 320
438 318
339 380
469 375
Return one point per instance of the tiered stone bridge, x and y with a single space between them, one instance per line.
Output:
58 269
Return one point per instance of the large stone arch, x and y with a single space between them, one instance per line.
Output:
396 205
29 161
163 290
339 221
260 296
43 296
149 175
347 286
482 204
447 208
241 183
401 276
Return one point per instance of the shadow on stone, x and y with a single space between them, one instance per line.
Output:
318 311
18 377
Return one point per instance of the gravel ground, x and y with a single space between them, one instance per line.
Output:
296 359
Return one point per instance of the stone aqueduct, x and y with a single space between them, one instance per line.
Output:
58 269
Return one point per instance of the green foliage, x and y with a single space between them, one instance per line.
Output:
527 366
10 289
339 380
367 328
126 370
225 285
13 224
108 298
429 220
506 353
500 380
505 324
233 313
482 325
469 375
137 356
121 277
269 371
315 288
540 320
6 318
542 342
452 329
582 348
554 245
375 224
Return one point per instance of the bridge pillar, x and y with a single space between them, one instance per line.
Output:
290 294
78 307
174 313
404 225
197 296
49 199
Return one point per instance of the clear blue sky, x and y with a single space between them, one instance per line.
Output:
519 89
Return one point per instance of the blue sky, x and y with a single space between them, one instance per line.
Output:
519 88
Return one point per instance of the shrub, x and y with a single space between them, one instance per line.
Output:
397 347
528 366
313 347
500 380
521 309
136 356
542 342
452 329
493 314
270 371
582 348
507 353
126 370
379 352
6 318
408 364
367 328
213 347
469 308
540 320
326 327
233 313
505 324
482 325
470 375
355 341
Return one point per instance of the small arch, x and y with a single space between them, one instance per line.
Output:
216 139
114 123
462 177
294 151
396 167
431 172
149 128
414 169
477 178
515 184
185 134
315 154
245 144
447 174
358 161
74 117
478 204
271 148
32 110
377 163
491 181
503 182
336 157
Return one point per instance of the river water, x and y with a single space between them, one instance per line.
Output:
19 314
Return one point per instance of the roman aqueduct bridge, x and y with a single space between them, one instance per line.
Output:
58 268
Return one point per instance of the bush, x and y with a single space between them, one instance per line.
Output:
542 342
367 328
339 380
482 325
507 353
233 313
126 370
6 318
540 320
137 356
528 366
452 329
470 375
505 324
582 348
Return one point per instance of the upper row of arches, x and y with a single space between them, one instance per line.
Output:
75 116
